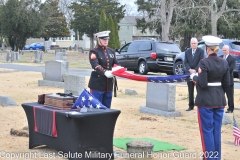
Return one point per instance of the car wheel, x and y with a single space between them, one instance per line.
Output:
142 68
178 68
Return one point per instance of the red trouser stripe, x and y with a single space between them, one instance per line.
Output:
201 133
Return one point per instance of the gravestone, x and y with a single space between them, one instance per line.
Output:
59 56
13 56
64 51
8 57
3 46
75 47
38 56
54 70
21 52
7 101
80 49
17 56
41 56
73 84
160 100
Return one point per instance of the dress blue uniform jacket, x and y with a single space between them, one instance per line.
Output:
101 59
211 70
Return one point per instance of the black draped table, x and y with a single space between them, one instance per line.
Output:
84 135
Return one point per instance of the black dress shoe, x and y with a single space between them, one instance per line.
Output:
189 109
229 111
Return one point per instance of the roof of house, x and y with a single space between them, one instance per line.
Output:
131 19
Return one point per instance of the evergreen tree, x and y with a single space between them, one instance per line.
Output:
103 21
56 24
117 42
87 15
111 27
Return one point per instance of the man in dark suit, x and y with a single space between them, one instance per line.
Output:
230 90
192 57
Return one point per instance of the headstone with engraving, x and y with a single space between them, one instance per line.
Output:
54 70
159 102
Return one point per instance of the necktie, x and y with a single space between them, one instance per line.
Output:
193 52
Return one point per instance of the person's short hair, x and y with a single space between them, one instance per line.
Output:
194 39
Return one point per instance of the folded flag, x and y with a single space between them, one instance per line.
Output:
236 133
87 100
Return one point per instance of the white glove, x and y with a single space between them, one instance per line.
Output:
108 74
192 75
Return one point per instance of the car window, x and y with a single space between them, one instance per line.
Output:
221 45
145 46
235 45
167 47
202 46
125 48
134 46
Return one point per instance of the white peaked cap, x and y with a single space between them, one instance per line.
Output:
102 34
211 40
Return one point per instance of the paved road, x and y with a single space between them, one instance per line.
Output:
41 69
71 71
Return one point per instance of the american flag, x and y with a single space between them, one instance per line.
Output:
87 100
236 133
122 72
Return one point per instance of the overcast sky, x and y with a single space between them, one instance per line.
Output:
130 6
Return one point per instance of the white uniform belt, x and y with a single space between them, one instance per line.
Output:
215 84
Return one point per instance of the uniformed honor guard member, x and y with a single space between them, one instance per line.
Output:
211 80
102 59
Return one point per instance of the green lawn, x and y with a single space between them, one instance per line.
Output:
77 60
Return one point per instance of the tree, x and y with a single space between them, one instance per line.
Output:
22 19
56 25
157 13
103 21
111 42
116 36
87 15
215 10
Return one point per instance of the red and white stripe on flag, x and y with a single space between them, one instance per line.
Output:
236 133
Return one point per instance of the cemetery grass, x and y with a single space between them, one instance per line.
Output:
182 131
76 60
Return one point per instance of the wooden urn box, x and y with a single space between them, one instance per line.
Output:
59 102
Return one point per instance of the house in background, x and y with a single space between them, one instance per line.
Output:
129 32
